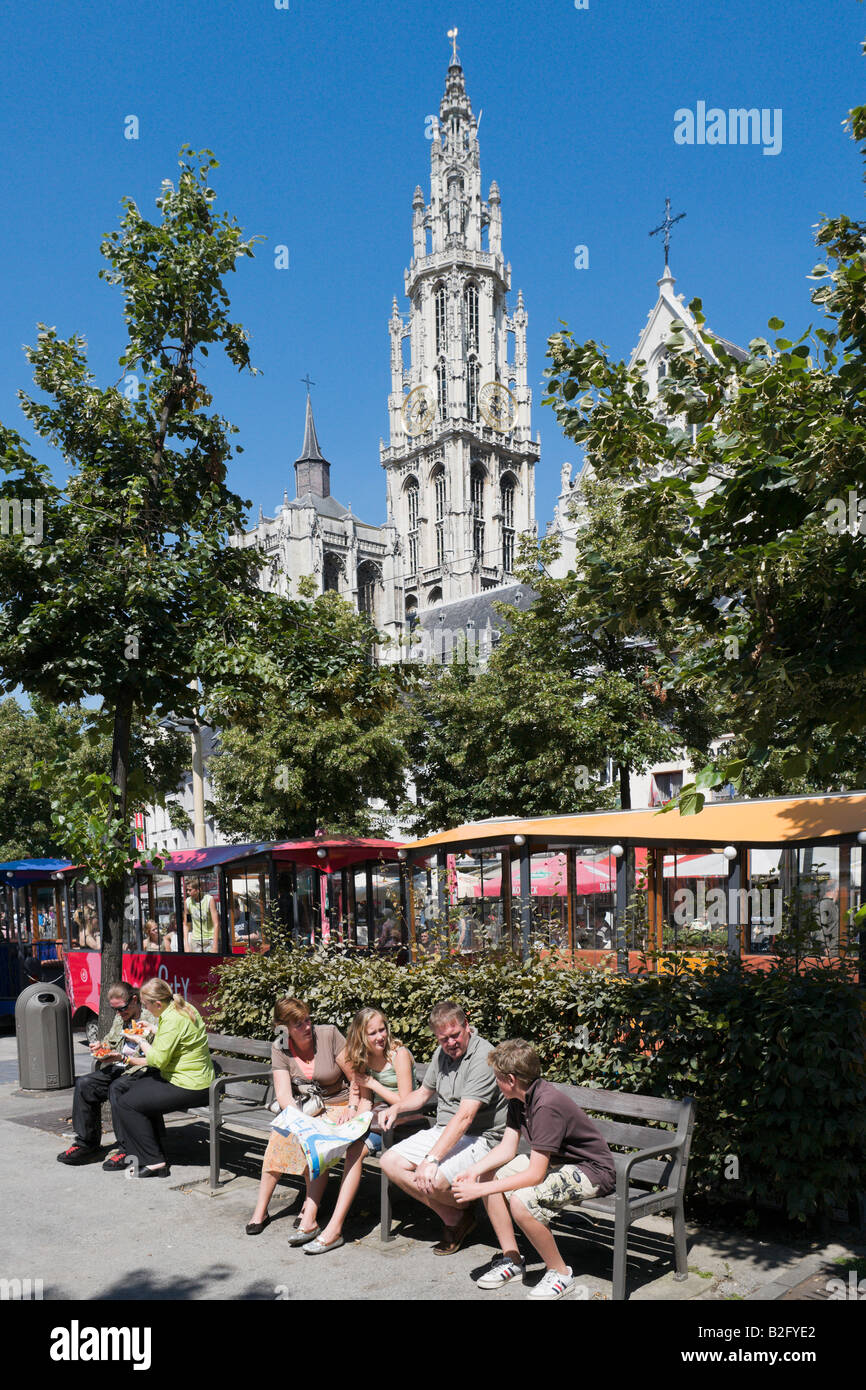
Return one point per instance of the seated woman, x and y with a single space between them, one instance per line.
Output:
94 1087
310 1060
180 1054
381 1066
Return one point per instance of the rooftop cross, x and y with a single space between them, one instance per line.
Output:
666 227
308 382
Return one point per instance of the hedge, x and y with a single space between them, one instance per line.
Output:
774 1058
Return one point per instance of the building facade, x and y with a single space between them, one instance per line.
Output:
460 459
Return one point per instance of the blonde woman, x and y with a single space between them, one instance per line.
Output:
151 938
382 1075
381 1066
180 1056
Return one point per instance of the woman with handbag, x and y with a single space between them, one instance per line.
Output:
311 1073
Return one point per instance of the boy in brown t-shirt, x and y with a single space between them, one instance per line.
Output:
569 1161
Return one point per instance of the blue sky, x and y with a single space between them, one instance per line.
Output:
317 115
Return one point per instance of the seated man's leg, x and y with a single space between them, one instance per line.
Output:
90 1092
470 1150
400 1161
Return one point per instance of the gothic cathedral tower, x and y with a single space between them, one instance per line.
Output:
460 460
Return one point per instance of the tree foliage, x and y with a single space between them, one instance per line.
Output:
311 729
565 694
46 755
768 588
134 594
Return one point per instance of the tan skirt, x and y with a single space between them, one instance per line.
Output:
285 1155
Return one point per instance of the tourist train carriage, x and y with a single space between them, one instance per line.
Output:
615 886
346 891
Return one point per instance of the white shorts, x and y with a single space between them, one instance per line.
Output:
465 1152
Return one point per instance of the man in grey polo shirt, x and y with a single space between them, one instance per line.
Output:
470 1121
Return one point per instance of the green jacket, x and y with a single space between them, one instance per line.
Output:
180 1050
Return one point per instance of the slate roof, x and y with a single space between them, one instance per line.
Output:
477 609
325 506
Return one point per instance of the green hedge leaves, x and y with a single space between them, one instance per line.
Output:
774 1058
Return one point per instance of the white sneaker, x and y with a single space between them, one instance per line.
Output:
553 1285
502 1270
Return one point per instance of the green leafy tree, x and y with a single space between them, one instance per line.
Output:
762 545
315 732
569 689
133 594
46 755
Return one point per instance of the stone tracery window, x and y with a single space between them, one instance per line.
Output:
439 511
442 389
477 508
441 319
331 572
368 582
507 500
470 316
412 510
472 373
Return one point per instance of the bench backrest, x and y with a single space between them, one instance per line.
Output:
660 1116
240 1056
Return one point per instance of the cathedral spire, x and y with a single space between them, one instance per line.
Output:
312 470
460 459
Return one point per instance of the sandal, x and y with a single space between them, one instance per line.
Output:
454 1236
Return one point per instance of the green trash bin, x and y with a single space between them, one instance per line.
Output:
43 1025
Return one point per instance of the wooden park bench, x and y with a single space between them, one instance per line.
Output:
651 1177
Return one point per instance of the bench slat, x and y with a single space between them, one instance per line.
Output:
653 1171
240 1066
248 1091
621 1103
247 1047
633 1136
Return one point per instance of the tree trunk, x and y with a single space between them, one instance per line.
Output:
625 803
114 891
624 787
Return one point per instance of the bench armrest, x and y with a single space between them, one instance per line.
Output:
625 1162
227 1078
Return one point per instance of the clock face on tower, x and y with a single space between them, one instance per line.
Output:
497 406
419 408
